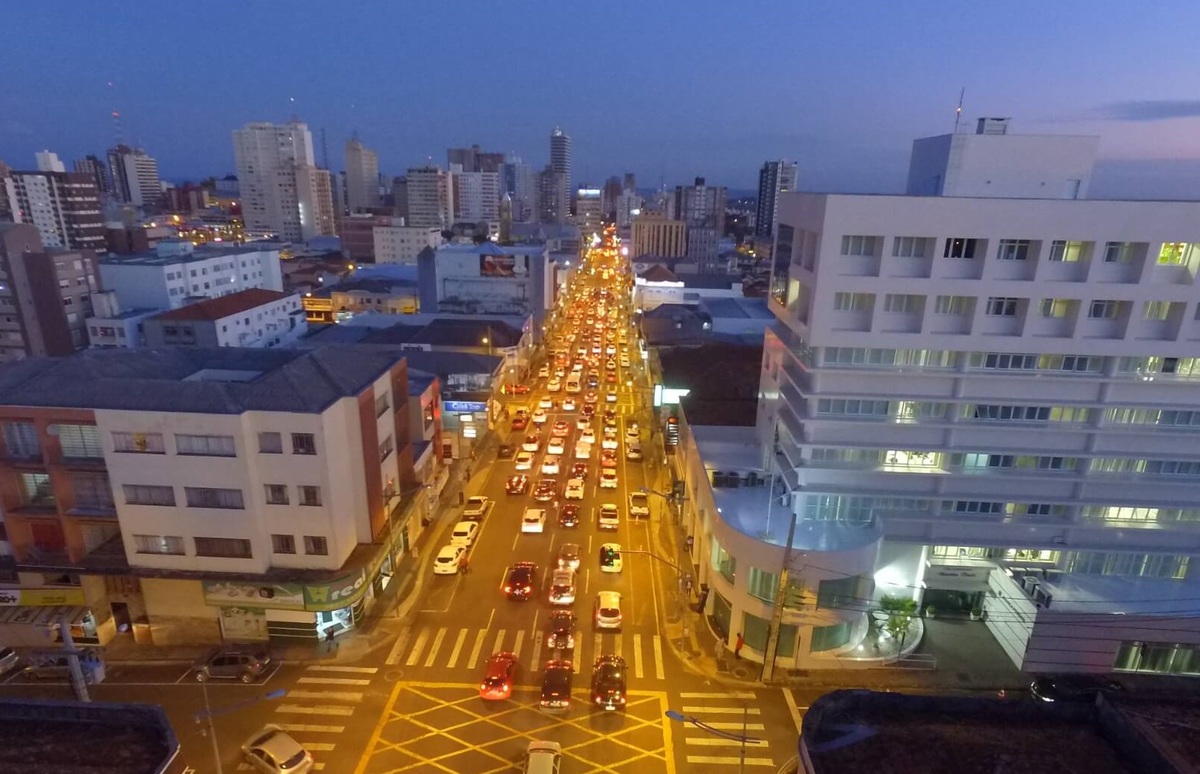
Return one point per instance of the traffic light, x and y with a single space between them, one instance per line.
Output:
672 432
677 490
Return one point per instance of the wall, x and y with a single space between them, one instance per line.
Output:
178 614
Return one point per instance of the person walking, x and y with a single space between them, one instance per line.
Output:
464 565
738 644
330 642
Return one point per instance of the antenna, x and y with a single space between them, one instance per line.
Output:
958 110
118 126
324 150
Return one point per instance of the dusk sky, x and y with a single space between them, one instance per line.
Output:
666 90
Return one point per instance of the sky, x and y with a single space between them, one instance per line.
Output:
667 90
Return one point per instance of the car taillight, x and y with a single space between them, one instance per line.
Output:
528 588
507 589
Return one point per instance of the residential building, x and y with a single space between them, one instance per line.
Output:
362 176
659 285
176 271
248 318
280 191
589 211
357 233
5 204
48 161
111 326
430 198
553 196
560 157
315 188
45 297
487 279
474 160
702 208
211 494
520 182
398 243
63 206
135 177
657 235
400 197
476 195
629 206
774 178
387 289
188 198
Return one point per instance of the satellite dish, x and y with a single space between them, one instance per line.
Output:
52 430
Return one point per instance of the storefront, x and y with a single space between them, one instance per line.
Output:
34 618
464 423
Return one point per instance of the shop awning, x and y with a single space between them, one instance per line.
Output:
42 616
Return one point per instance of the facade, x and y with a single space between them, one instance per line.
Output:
357 234
176 271
702 208
398 243
474 160
369 289
520 182
63 206
430 198
315 188
774 178
203 495
476 195
48 161
113 327
487 279
281 194
553 197
45 297
248 318
629 206
560 157
95 166
655 234
135 177
589 211
362 176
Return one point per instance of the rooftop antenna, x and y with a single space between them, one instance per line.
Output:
324 150
118 126
958 110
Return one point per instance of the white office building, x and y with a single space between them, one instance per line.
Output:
399 243
362 176
166 277
282 193
476 195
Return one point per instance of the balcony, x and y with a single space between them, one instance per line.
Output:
82 463
44 505
23 459
93 509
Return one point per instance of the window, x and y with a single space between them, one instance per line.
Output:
381 405
386 448
973 506
998 306
1118 252
36 490
208 497
92 491
283 544
205 445
1065 251
1003 361
310 495
852 302
907 304
21 440
315 545
277 494
830 637
1172 254
1156 310
909 247
960 247
235 548
852 407
957 305
1055 308
843 593
763 585
304 443
1103 310
858 245
139 443
158 544
140 494
270 443
80 441
1013 250
723 562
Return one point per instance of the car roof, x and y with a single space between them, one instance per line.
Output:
609 597
277 743
450 550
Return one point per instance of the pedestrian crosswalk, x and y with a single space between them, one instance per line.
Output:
451 648
320 708
715 726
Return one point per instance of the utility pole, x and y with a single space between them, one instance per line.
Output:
780 598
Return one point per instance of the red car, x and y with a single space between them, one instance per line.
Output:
498 677
579 470
608 458
520 423
515 389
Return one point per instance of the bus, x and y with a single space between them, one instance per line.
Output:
573 382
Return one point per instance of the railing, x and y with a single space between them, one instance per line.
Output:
915 662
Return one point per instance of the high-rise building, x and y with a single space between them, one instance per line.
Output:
560 156
5 207
430 197
520 182
553 197
275 174
95 166
629 206
48 161
702 208
474 160
589 212
400 197
659 236
476 195
774 178
362 176
63 206
135 177
608 197
315 186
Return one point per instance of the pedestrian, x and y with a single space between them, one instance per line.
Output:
330 643
462 498
738 644
464 565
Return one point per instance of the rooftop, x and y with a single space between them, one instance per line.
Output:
738 308
722 380
203 253
225 306
659 273
710 281
490 248
1107 595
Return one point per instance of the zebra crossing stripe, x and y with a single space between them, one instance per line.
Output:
415 655
537 652
520 639
457 650
659 671
437 644
499 641
474 659
637 655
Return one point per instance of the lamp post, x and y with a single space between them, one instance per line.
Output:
679 717
209 713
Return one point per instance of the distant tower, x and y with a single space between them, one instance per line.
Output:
362 176
506 218
774 178
560 155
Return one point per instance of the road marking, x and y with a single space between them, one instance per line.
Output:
358 670
537 651
307 729
619 645
323 709
575 652
598 650
731 726
637 655
517 647
713 742
499 645
659 672
394 655
332 681
457 649
349 696
319 746
797 715
433 649
730 760
474 659
726 695
415 655
711 709
244 766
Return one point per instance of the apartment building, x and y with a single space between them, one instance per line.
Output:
63 206
208 494
657 235
249 318
175 271
398 243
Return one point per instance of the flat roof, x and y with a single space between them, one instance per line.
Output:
738 308
202 253
1110 594
225 306
722 378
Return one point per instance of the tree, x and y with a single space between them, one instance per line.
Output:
900 612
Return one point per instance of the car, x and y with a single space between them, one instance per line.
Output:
1074 688
562 587
609 420
631 431
519 423
606 611
583 451
588 410
609 443
505 451
520 580
542 758
233 664
476 507
579 470
554 385
608 682
546 490
544 371
550 465
639 505
533 520
591 397
610 397
624 361
608 478
449 560
517 485
556 446
499 674
610 365
532 442
587 436
610 558
568 515
574 489
608 516
523 461
568 404
633 452
464 533
9 657
556 686
272 750
610 431
515 389
545 403
539 416
569 556
583 423
560 630
560 429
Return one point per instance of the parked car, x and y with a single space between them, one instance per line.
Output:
476 507
9 657
233 664
273 751
449 560
464 533
1074 688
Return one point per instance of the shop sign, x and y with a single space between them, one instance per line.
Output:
336 595
42 597
464 406
958 572
278 596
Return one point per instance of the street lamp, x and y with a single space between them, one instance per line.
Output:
679 717
209 713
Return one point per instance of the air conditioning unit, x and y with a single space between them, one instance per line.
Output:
1029 583
718 479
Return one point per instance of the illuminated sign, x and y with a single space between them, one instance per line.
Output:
658 395
464 406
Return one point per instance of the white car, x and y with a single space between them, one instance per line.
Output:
609 443
610 397
639 505
588 436
608 516
583 423
608 478
545 403
568 404
610 431
556 446
271 750
448 560
539 417
624 361
523 461
606 611
562 587
533 520
476 507
544 371
464 533
583 451
531 443
574 489
550 465
610 557
631 431
554 385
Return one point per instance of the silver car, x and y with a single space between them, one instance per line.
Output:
272 751
231 664
562 587
568 556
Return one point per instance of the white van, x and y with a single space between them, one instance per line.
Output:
542 758
573 382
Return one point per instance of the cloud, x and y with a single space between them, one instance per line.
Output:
1148 110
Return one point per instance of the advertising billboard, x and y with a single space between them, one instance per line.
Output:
497 266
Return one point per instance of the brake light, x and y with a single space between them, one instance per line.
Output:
507 589
528 588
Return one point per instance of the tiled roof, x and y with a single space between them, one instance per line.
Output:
659 273
225 306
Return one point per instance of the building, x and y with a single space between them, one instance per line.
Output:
629 206
48 161
657 235
212 494
387 289
398 243
176 271
774 178
135 177
95 166
476 195
64 207
474 160
112 326
45 297
362 176
702 208
315 188
487 279
553 196
248 318
589 211
560 157
659 285
430 198
281 193
357 233
188 198
519 181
